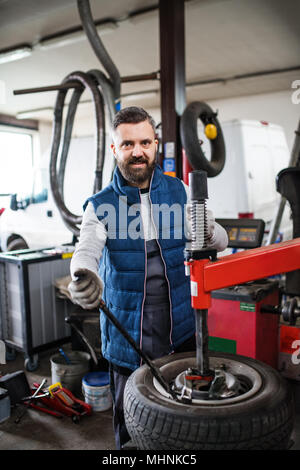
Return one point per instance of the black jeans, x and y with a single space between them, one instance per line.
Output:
118 379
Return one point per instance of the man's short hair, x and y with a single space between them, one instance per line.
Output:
132 115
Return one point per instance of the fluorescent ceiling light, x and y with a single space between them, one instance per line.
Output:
107 27
60 41
15 54
140 95
74 37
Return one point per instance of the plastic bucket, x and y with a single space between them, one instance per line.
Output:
70 375
96 390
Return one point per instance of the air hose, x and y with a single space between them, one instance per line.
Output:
190 141
105 94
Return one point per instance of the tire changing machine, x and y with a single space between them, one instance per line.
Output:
236 322
245 318
209 274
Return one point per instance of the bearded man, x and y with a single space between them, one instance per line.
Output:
135 263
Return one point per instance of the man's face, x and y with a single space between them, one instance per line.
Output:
134 148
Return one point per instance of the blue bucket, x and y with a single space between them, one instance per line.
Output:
96 390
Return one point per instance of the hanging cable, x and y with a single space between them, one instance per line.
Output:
105 94
56 180
98 47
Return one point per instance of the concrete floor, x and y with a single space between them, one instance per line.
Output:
39 431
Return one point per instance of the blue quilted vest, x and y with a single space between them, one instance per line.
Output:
122 265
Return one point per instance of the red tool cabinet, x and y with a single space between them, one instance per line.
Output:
236 324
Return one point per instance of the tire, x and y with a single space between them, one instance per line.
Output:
190 141
262 419
17 244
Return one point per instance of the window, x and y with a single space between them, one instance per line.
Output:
16 162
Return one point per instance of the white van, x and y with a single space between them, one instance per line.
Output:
36 222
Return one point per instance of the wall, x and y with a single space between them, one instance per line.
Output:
276 108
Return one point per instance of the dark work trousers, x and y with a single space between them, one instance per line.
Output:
156 326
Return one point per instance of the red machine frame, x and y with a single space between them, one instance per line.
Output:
241 267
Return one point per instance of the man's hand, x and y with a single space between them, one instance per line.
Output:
87 290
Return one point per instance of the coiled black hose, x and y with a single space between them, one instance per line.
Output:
56 181
105 93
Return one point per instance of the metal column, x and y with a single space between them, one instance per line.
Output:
172 70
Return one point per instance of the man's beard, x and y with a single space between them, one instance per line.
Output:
133 174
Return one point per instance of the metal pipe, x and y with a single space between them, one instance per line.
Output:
141 77
62 86
67 86
260 73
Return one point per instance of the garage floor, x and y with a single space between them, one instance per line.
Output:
39 431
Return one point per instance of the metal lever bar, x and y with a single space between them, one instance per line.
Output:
155 370
202 360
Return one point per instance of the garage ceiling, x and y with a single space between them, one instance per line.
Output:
224 39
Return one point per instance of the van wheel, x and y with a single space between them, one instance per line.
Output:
17 244
261 416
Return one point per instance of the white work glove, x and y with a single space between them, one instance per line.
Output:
87 290
210 222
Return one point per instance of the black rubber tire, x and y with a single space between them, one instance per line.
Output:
190 141
263 421
17 244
